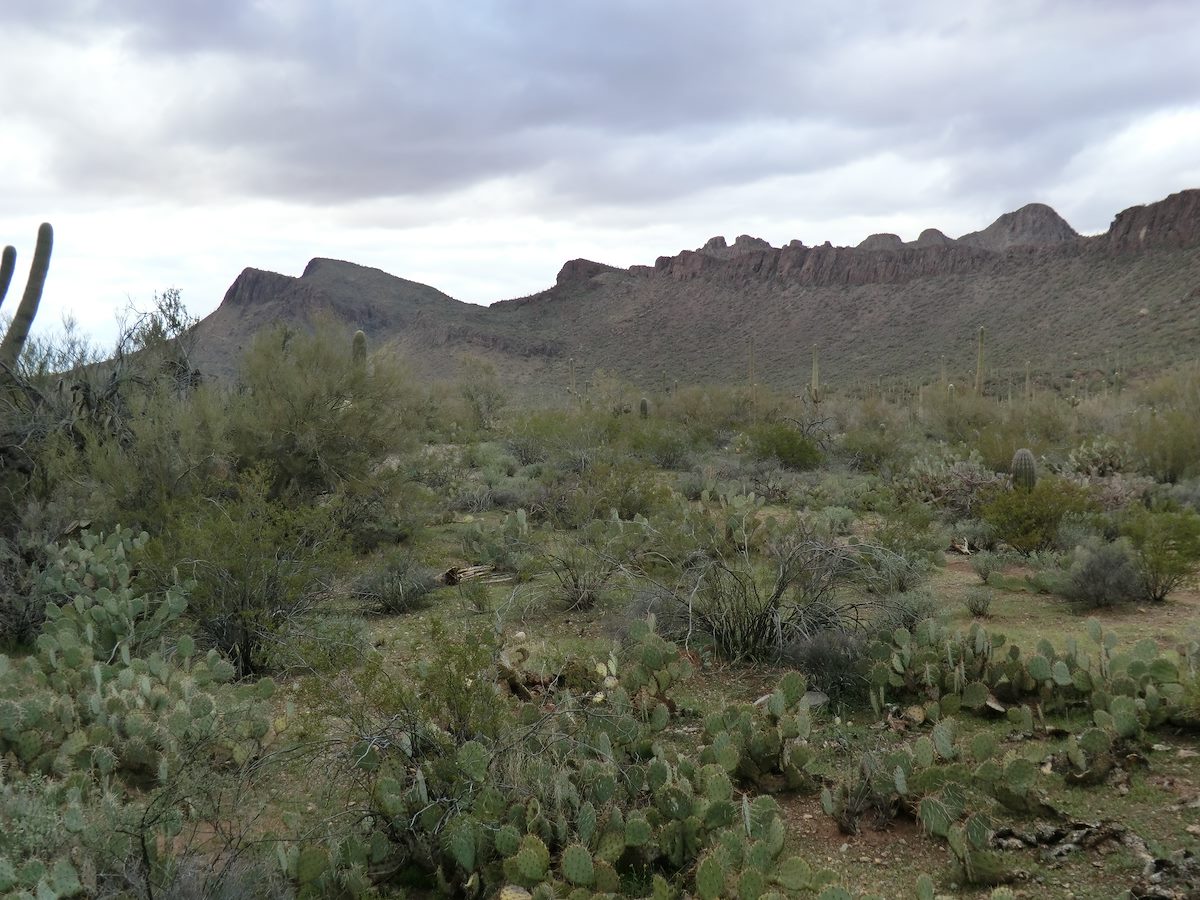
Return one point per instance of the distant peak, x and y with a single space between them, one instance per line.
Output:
1034 224
931 237
882 242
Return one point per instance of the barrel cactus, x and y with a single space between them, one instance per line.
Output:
1024 470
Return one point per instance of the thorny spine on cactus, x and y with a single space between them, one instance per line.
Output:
18 331
1024 469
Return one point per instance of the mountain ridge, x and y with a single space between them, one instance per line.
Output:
889 306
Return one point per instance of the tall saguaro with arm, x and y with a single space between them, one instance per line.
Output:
18 331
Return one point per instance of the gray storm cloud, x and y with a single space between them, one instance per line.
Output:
608 103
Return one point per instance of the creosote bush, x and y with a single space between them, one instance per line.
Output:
1029 520
785 443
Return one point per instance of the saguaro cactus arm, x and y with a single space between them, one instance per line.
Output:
18 331
8 262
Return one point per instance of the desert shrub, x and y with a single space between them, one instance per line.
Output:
665 444
853 490
907 609
1166 548
692 485
768 479
1167 443
1104 574
573 440
490 456
507 547
834 660
883 571
977 533
482 391
1183 493
395 584
745 611
874 447
587 563
261 569
978 601
835 520
1029 520
1078 528
630 488
311 419
785 443
985 563
475 595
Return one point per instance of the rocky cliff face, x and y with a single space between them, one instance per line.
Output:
1173 222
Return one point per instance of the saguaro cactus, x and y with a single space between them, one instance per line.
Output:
18 331
644 408
358 348
1024 470
814 386
979 364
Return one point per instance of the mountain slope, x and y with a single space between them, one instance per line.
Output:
885 308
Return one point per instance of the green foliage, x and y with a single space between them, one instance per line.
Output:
978 602
396 584
1028 520
783 442
1166 548
259 568
1104 574
582 796
481 389
311 418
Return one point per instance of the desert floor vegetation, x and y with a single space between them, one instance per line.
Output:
324 629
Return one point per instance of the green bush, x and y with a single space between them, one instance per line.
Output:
978 602
261 569
396 584
314 421
1166 547
1029 520
785 443
1104 574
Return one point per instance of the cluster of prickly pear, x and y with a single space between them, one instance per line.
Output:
765 744
970 845
954 670
91 699
1014 785
651 670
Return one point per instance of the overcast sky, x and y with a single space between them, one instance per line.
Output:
477 145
